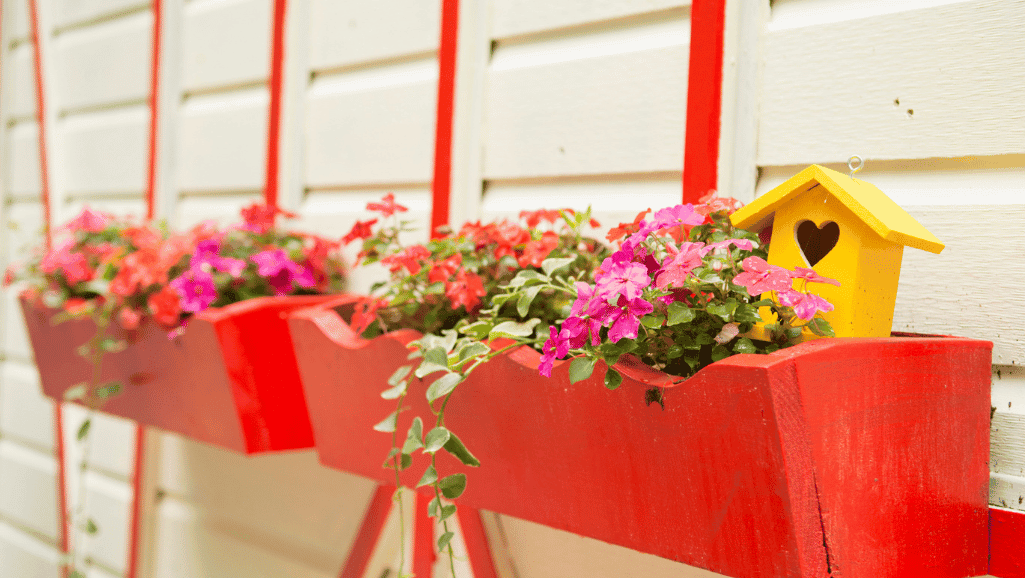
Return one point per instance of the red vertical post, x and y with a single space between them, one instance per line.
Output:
704 98
369 533
270 190
154 102
423 538
476 539
441 185
44 163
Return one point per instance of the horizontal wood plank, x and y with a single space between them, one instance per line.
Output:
1007 492
1007 452
106 152
25 555
374 126
599 104
225 43
189 544
939 81
973 288
108 503
114 458
22 81
304 507
105 63
25 414
16 19
22 177
346 33
27 482
80 11
222 141
515 17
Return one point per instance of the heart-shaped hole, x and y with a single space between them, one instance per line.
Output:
816 242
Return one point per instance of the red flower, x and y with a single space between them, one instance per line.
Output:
466 290
534 218
445 269
77 306
364 313
361 230
387 206
259 217
624 229
165 306
537 251
9 276
409 258
129 318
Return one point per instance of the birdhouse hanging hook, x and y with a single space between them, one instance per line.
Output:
855 164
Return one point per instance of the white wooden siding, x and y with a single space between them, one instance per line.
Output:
80 12
22 81
349 33
226 42
105 151
222 144
517 17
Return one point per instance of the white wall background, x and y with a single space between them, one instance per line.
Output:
559 103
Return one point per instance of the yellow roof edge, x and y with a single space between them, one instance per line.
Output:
888 219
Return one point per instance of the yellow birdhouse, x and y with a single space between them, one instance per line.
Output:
846 229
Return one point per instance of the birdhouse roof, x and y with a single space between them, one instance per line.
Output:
867 202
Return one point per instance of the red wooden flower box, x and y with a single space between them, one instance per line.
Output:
838 457
230 379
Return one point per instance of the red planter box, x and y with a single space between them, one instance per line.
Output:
838 457
230 380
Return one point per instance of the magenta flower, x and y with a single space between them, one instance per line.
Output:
812 277
208 252
555 347
196 290
624 320
744 244
805 305
678 215
759 276
585 292
619 278
281 272
576 330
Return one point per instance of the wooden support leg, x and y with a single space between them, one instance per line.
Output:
369 531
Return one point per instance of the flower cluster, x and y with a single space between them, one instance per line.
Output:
433 286
126 270
681 292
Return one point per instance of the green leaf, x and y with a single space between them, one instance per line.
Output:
444 539
437 356
580 369
447 511
820 326
399 375
612 378
405 461
83 430
76 391
746 314
527 276
430 476
455 447
387 425
108 390
653 321
443 386
514 329
680 313
113 345
432 507
719 352
436 439
395 392
434 364
91 527
478 329
76 574
744 345
720 310
414 436
452 486
552 265
473 349
526 298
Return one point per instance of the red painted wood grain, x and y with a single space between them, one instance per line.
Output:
1006 543
704 99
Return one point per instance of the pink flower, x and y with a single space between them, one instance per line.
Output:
676 272
196 289
208 252
625 319
88 221
744 244
812 277
805 305
551 350
281 272
678 215
622 278
759 276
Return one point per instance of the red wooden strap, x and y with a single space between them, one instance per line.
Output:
1006 540
270 190
704 98
44 173
369 532
441 186
135 520
477 548
423 538
63 521
154 101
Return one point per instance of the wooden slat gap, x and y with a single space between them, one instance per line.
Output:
590 28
